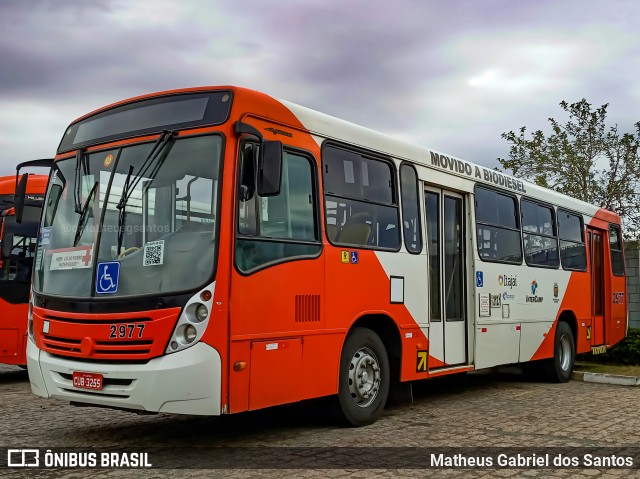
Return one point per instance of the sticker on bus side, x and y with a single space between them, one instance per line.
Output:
39 255
349 257
107 276
71 258
45 235
153 253
421 361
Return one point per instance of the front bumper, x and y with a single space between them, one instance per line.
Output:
186 382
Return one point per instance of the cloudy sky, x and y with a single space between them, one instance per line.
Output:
448 74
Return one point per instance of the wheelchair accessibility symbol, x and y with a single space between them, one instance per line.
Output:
107 277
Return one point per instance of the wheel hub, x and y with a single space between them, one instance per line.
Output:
364 377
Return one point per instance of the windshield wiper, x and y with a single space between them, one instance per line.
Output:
83 215
129 186
122 213
77 201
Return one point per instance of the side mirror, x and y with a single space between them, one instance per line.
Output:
7 245
270 168
21 190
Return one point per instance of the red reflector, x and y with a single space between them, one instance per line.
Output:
483 330
517 328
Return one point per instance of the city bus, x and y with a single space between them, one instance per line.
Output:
216 250
18 242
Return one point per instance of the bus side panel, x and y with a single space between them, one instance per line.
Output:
275 309
497 344
410 309
615 305
13 333
276 375
576 301
534 339
9 343
618 300
358 289
583 336
239 352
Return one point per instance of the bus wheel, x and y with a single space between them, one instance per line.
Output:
364 378
559 368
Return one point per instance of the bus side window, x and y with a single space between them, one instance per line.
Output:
280 227
573 252
498 226
410 209
360 199
540 235
615 246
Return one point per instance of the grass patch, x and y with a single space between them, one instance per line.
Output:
621 370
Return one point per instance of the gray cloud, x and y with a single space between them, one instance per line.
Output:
449 75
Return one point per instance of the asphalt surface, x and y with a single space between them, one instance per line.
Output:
466 414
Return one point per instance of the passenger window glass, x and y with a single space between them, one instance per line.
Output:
540 242
570 226
495 208
275 228
573 252
410 209
498 231
617 256
360 201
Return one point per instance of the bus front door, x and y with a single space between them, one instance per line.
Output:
447 311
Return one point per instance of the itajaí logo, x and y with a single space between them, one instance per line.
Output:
507 281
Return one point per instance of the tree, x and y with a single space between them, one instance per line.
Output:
583 158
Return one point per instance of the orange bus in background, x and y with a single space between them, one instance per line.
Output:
18 242
216 250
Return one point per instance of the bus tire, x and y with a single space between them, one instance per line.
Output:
560 367
363 385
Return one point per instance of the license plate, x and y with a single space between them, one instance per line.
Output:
87 380
598 350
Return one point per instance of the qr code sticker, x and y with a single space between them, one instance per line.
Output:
153 253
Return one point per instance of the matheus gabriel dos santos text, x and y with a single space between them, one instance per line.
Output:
531 460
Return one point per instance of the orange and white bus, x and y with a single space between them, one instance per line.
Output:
18 242
215 250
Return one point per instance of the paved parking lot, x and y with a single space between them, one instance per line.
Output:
481 410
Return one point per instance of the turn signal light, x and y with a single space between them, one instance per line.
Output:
206 295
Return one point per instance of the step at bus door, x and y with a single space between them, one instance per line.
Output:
447 309
595 240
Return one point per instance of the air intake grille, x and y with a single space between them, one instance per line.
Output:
307 308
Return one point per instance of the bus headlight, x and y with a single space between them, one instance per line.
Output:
190 334
193 321
202 313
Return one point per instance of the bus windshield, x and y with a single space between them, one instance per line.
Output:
131 221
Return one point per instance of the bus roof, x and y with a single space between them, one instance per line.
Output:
36 184
330 127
